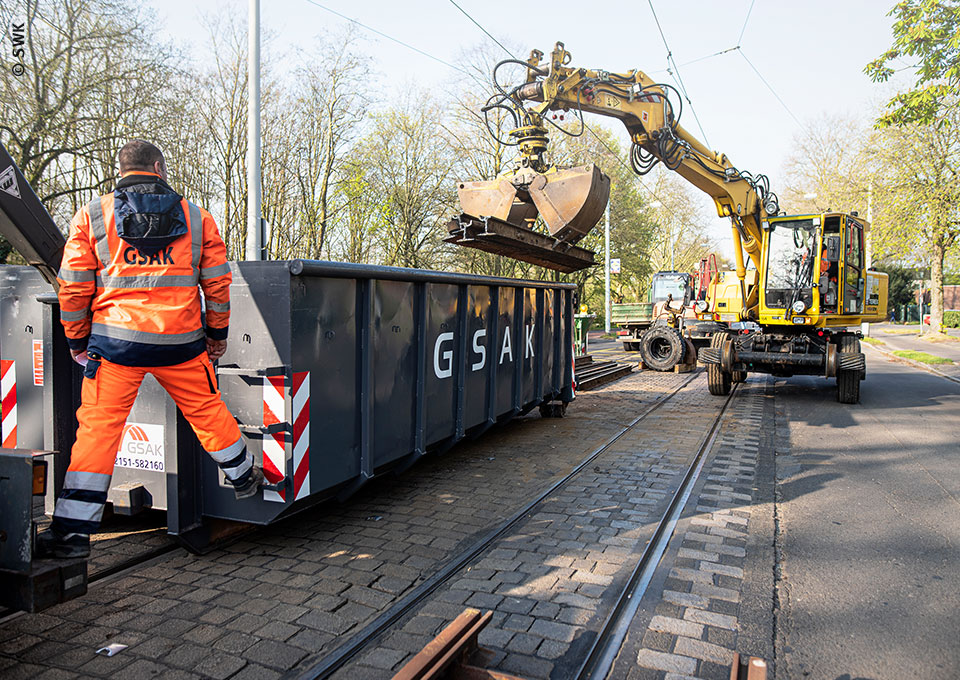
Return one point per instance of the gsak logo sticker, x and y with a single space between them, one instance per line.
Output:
141 447
133 256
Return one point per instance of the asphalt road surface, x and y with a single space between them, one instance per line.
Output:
869 527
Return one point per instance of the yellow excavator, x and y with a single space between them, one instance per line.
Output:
798 310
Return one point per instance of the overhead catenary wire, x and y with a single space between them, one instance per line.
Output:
477 24
744 29
736 48
770 87
389 37
672 62
613 153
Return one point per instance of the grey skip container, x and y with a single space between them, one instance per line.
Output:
335 372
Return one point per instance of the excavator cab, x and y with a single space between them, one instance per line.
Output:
815 274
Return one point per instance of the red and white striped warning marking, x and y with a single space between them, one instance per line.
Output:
274 453
573 372
301 434
8 393
275 445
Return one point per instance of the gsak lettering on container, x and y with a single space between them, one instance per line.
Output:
443 353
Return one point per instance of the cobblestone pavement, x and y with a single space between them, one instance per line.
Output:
711 600
552 581
294 590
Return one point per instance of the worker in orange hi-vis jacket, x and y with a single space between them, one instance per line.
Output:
130 282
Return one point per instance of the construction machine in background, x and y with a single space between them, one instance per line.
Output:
660 328
812 288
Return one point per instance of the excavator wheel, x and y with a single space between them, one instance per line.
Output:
738 376
719 381
662 347
848 380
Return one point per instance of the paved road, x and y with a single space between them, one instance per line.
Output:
894 339
870 528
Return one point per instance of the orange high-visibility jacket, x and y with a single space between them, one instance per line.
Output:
139 309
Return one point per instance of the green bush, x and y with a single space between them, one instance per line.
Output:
951 319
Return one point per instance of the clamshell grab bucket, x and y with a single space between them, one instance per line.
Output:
571 201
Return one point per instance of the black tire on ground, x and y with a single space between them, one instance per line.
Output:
738 376
718 381
848 382
662 348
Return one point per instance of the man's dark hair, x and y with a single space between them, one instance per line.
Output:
138 155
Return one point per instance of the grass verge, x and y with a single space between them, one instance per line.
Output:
939 337
874 341
922 357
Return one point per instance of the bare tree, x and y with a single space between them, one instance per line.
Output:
334 90
407 167
94 77
220 109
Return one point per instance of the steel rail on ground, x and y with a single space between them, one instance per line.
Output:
603 652
342 654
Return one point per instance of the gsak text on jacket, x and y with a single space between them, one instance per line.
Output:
130 274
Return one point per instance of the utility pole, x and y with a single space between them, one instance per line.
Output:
867 250
672 267
606 268
254 229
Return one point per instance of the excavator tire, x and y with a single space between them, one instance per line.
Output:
718 381
738 376
848 381
662 348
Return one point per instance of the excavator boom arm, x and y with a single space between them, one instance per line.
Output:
644 108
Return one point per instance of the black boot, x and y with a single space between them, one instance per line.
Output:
249 487
52 545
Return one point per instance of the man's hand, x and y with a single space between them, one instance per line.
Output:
80 356
216 348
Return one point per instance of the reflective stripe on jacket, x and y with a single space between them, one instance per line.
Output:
144 310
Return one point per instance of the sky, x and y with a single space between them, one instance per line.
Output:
810 53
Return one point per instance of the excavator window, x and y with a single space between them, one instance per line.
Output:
853 268
830 266
677 286
791 259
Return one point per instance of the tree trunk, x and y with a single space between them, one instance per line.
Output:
936 286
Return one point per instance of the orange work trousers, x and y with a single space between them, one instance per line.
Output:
107 395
